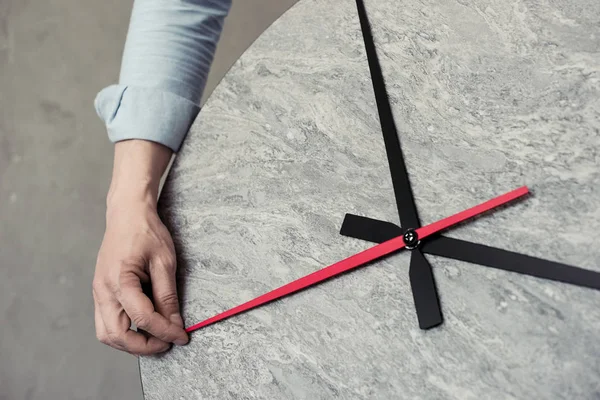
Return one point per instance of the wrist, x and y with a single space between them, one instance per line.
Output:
137 172
124 194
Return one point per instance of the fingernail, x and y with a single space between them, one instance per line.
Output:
181 342
177 320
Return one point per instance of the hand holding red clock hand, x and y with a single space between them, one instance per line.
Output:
363 257
137 248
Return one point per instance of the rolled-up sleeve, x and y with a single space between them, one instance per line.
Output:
168 52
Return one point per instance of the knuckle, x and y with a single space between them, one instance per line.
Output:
125 279
102 338
167 261
140 320
128 265
114 338
97 287
168 299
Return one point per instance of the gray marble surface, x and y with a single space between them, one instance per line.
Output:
488 95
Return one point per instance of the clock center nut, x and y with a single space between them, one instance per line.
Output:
411 239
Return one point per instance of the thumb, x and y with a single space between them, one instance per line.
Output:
164 287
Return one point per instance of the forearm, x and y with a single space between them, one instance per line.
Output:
137 170
170 45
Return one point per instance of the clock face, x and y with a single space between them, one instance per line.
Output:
485 98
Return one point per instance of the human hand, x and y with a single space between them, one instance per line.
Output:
137 248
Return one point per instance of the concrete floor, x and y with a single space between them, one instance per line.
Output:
55 163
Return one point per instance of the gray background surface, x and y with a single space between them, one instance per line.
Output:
55 163
488 95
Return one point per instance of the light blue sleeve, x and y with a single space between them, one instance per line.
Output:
168 52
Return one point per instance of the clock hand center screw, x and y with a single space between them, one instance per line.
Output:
411 239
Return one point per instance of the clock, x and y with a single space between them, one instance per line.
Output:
376 120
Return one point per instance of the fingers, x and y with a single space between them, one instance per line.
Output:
121 337
113 328
141 311
136 247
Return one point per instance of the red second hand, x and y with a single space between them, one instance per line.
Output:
362 258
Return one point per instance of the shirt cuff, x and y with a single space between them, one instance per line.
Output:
132 112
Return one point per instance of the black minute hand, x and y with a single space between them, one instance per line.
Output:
402 190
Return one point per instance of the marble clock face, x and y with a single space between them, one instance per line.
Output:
487 96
